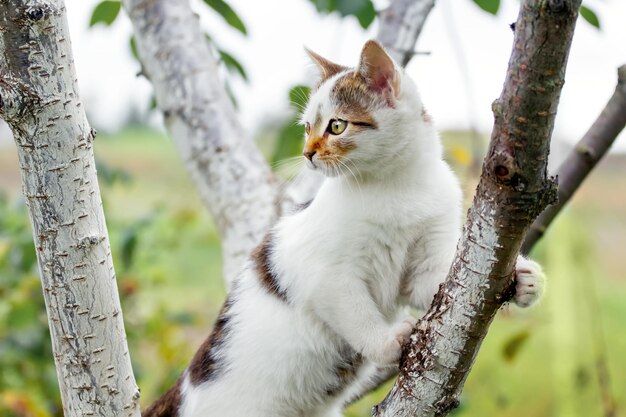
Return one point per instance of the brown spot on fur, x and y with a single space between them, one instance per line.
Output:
204 365
354 99
345 372
263 264
168 405
426 117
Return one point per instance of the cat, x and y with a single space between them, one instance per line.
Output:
317 310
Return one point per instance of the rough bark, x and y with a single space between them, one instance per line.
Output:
229 171
39 100
400 25
584 157
513 189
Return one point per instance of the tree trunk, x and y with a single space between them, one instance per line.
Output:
512 191
39 100
228 169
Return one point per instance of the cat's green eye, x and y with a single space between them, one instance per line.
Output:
337 126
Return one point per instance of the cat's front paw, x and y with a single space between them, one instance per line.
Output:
391 349
529 282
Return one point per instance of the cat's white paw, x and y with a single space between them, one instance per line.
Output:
529 282
390 351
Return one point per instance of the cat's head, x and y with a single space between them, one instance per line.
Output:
360 120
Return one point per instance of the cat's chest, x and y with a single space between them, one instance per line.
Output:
365 242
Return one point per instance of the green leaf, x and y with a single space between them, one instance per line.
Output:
366 15
490 6
363 10
590 16
228 14
232 64
129 246
133 47
514 344
289 141
105 12
298 96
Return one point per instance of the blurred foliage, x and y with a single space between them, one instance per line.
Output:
492 7
289 141
229 15
28 382
105 12
363 10
168 263
590 16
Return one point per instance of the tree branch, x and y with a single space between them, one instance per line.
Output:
512 191
39 100
584 157
228 169
400 26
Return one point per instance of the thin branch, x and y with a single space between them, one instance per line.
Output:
513 189
584 157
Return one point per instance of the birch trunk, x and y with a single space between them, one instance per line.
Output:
39 100
228 169
513 190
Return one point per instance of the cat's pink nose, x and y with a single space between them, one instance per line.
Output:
309 155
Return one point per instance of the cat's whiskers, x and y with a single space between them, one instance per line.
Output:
356 180
289 167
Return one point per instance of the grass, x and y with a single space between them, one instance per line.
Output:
541 362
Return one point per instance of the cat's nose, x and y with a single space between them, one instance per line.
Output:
309 155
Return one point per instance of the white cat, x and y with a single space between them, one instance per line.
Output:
317 309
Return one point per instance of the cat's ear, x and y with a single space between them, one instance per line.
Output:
378 69
327 68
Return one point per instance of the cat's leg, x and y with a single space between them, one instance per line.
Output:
529 282
343 301
429 260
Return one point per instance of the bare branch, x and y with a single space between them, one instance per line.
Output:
228 169
584 157
513 189
39 100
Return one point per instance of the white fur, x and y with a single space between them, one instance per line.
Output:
384 232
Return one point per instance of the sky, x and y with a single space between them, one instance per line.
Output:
458 79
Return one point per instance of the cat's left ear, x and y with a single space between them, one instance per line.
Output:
377 67
327 68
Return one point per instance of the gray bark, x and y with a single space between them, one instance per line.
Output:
228 169
39 100
400 26
513 189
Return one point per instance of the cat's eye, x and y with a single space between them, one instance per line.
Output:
337 126
307 128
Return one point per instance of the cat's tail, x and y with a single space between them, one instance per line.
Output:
168 405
